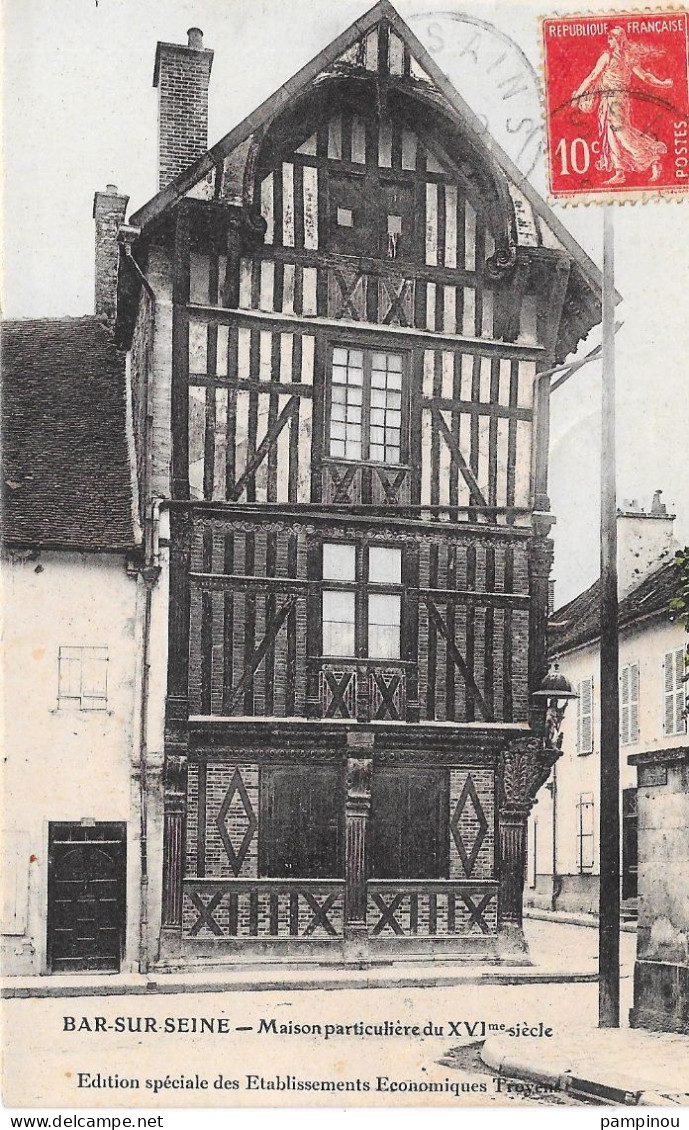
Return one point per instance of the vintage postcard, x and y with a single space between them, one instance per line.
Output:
345 652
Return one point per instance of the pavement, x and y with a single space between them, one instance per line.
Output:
609 1066
572 918
266 978
558 954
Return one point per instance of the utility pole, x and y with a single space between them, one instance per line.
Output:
609 839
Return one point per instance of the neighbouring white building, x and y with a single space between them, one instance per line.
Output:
563 865
81 724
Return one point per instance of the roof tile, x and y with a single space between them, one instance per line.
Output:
66 462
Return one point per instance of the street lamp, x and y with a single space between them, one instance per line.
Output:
556 690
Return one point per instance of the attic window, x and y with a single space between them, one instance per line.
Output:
345 218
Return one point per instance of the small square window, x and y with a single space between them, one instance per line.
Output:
345 218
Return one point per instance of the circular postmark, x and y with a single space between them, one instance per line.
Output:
493 76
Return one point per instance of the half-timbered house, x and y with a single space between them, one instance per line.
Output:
337 319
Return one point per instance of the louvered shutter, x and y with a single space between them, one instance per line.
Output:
674 692
629 703
624 706
633 702
585 717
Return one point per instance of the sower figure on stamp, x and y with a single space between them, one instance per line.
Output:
623 146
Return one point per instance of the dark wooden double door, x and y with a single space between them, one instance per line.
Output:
86 897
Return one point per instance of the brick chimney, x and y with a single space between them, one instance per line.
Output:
644 542
182 75
109 209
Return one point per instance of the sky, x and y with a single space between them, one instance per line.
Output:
80 113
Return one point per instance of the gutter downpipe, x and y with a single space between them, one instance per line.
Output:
149 574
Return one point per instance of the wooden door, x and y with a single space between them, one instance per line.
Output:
86 897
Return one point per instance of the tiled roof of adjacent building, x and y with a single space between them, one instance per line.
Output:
65 456
578 622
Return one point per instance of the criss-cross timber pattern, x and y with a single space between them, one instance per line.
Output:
349 483
268 908
342 484
338 693
387 694
440 912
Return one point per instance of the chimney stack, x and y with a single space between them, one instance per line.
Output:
644 542
181 75
109 210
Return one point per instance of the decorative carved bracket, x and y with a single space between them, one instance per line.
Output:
524 768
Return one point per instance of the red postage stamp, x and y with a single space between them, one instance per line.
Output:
617 103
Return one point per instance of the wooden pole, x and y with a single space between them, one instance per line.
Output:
609 840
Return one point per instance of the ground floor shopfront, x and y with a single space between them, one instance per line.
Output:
316 841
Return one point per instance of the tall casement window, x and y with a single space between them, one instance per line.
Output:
585 833
301 821
365 406
362 601
675 692
585 716
629 703
409 823
83 678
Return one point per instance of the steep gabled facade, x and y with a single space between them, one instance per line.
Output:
337 318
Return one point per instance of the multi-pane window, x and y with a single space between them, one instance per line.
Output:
585 716
674 718
629 703
362 604
585 833
83 677
366 405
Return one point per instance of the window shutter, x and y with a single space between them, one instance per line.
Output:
679 691
585 717
669 720
15 887
629 703
633 702
674 692
624 706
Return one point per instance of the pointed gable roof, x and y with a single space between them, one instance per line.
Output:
343 50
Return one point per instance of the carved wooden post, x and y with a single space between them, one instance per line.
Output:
525 766
357 809
175 785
